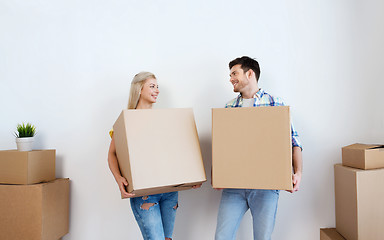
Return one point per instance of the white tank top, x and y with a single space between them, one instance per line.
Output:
248 102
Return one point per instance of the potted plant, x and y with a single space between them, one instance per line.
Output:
25 136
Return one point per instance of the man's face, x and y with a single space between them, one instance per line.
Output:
238 78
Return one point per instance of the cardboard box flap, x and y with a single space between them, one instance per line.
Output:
330 234
157 190
355 170
121 141
361 146
380 147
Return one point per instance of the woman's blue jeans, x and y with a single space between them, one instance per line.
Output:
235 202
155 214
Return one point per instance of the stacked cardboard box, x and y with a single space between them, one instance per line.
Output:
34 204
359 192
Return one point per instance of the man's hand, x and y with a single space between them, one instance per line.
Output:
297 160
197 186
296 179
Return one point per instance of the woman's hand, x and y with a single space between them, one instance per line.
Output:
197 186
123 183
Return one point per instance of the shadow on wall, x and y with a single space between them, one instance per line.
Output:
59 166
206 152
198 205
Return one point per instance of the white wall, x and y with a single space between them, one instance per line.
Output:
66 67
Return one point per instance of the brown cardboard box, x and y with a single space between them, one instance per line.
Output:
34 212
158 150
27 167
363 156
359 197
330 234
252 148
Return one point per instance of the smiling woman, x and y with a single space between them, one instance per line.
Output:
155 214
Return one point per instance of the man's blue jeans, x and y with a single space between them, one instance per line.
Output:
155 214
235 202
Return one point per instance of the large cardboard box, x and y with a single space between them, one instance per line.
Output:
330 234
34 212
158 150
27 167
363 156
252 148
359 196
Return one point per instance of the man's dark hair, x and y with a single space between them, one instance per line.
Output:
246 64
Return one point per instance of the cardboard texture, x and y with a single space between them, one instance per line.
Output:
330 234
158 150
359 197
34 212
27 167
252 148
363 156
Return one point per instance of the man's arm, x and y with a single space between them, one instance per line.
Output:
297 162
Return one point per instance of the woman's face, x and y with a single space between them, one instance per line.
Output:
150 91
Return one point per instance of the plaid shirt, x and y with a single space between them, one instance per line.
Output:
263 99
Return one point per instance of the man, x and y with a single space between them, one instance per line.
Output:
244 76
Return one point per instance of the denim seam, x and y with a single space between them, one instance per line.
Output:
142 222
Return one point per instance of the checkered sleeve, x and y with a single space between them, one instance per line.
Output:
276 101
295 138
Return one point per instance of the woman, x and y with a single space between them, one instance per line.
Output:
155 214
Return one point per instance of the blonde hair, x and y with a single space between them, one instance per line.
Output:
136 86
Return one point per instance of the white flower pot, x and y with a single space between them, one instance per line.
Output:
25 143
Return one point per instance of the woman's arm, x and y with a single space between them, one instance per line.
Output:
114 167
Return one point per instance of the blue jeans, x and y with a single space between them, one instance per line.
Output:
155 214
235 202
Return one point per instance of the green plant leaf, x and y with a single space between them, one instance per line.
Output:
25 130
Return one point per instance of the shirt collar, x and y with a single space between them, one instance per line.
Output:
239 101
259 94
